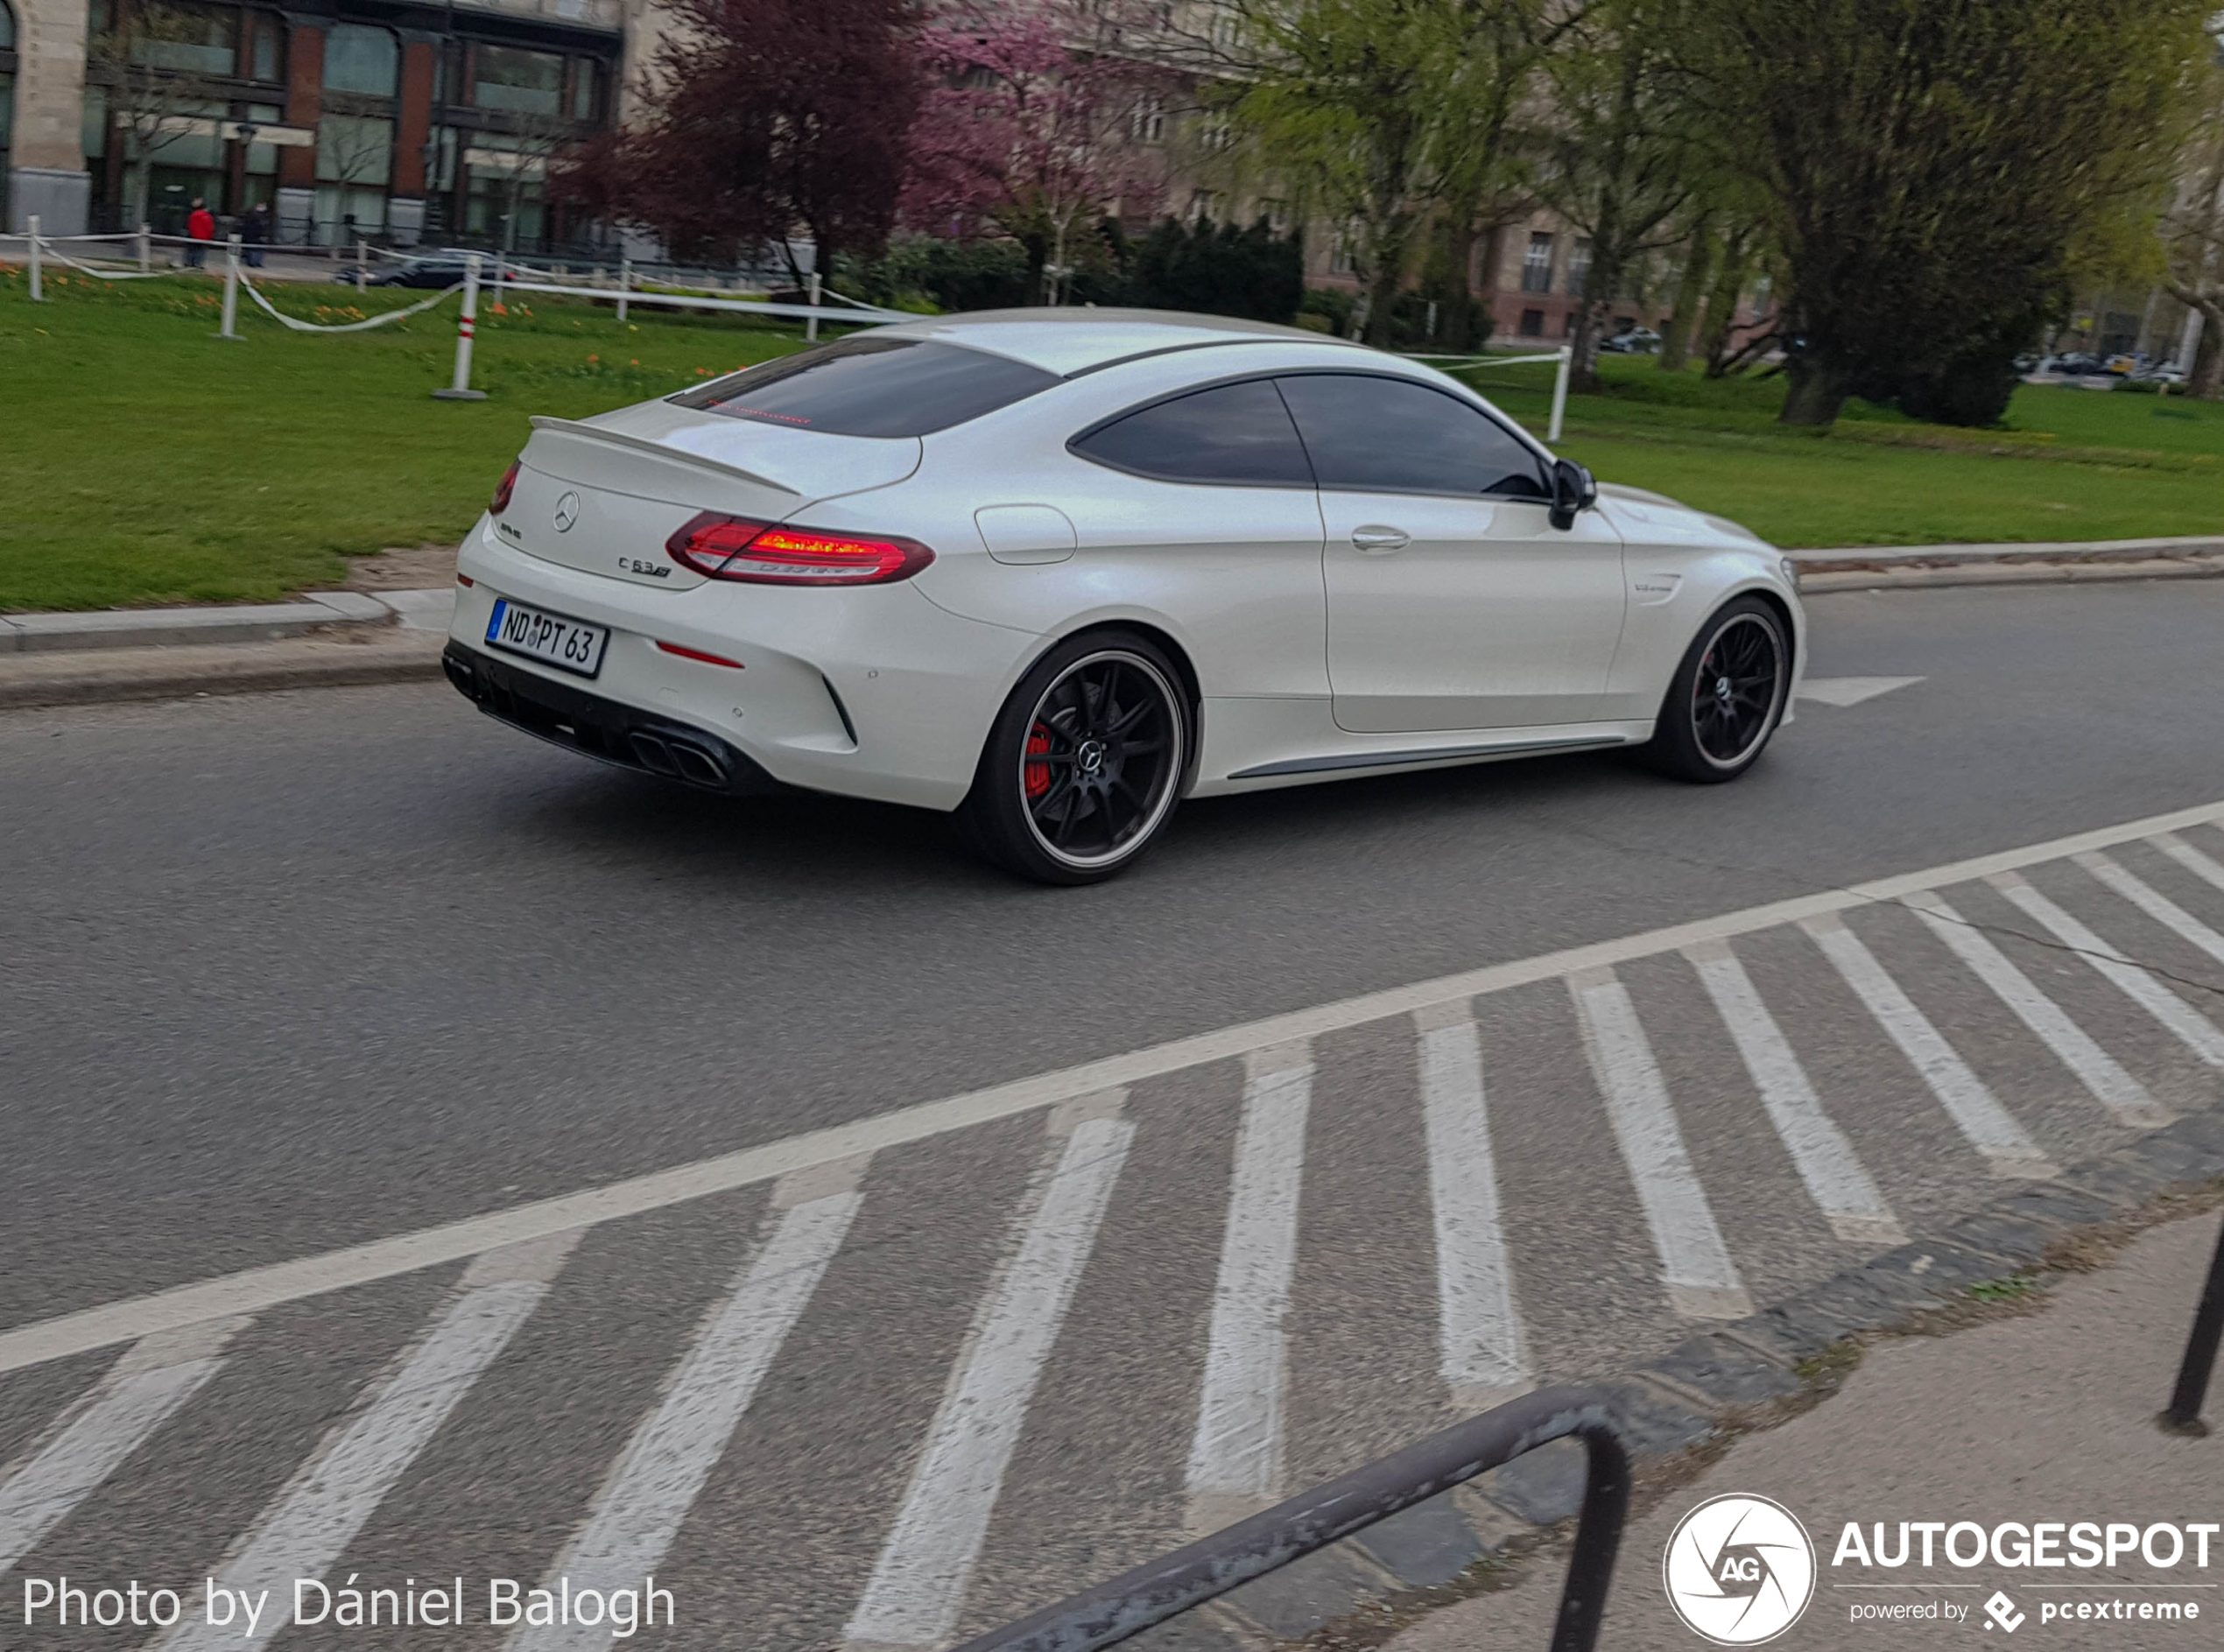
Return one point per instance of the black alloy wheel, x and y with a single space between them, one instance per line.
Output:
1727 695
1085 763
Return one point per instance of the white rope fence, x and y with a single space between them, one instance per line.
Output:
853 312
234 273
1565 355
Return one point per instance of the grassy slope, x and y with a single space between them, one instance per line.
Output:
148 461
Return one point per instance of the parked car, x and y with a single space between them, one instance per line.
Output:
1640 340
433 270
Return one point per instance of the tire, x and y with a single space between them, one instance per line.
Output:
1084 764
1727 697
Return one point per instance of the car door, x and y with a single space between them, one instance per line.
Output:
1200 506
1453 602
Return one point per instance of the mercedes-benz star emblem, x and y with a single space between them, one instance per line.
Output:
567 512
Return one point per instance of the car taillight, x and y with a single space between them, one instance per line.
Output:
762 553
503 489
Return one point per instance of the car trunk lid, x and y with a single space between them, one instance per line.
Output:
603 496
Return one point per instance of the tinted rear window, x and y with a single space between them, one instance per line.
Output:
1236 434
872 387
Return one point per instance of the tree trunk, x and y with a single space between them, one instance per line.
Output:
1675 345
1814 394
1383 283
1459 298
2205 378
1721 305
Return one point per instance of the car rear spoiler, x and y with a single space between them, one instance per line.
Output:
573 428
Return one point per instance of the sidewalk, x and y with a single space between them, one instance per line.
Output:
2045 1416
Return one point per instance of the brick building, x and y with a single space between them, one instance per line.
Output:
403 120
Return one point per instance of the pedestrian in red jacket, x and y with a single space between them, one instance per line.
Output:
200 227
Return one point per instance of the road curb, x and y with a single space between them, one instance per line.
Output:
1698 1391
382 654
1891 568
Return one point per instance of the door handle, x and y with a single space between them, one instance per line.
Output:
1380 539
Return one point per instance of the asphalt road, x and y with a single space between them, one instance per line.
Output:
285 974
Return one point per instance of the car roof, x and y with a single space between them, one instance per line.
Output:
1067 340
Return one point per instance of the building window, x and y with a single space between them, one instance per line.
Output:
1277 214
1578 266
1537 266
267 55
1204 205
1148 123
360 58
1567 324
1215 133
586 77
1532 324
521 81
191 40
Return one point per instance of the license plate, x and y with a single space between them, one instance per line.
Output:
569 645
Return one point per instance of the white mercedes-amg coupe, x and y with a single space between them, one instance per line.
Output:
1056 570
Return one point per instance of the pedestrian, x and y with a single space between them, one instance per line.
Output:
200 229
254 230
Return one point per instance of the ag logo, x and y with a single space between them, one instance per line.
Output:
567 512
1739 1570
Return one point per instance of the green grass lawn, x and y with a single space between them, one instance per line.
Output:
148 461
2069 464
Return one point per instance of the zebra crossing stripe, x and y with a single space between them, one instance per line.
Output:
1485 1357
1840 1187
2154 904
2193 1029
92 1439
312 1522
1702 1282
1989 1127
638 1510
1235 1456
2190 858
919 1583
2122 1095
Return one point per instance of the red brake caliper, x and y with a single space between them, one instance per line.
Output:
1036 775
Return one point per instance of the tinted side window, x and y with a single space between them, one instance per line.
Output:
872 387
1236 434
1385 435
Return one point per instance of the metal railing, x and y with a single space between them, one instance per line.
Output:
2183 1414
1188 1577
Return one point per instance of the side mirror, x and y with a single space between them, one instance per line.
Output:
1574 489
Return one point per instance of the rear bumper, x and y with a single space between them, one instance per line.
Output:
603 728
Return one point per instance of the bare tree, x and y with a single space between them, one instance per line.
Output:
152 100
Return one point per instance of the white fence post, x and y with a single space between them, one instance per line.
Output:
466 324
811 328
231 289
38 292
146 250
625 280
1559 392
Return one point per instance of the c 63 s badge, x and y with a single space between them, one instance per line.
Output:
654 570
1739 1570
